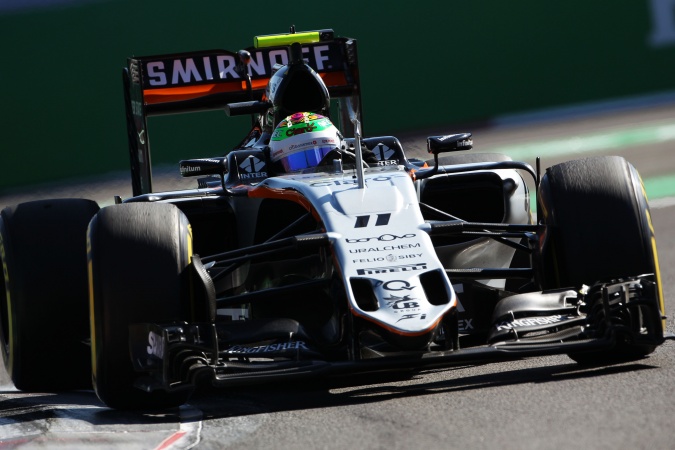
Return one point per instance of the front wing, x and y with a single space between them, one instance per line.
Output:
179 356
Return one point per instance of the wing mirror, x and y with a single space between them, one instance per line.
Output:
449 143
442 144
203 166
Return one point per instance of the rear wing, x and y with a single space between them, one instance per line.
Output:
209 80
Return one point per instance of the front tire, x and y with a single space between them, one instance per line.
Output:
598 228
138 262
43 294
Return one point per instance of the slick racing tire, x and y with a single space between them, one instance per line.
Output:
599 228
138 261
44 319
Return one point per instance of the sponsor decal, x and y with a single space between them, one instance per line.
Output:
391 269
248 176
395 285
222 66
404 305
412 255
382 219
383 238
385 248
412 316
398 303
461 143
368 260
155 345
390 162
301 130
353 182
271 348
384 153
389 258
465 324
529 322
193 165
250 168
306 144
190 169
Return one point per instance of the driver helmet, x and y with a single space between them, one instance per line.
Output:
301 140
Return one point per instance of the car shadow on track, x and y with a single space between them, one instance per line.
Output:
17 407
281 397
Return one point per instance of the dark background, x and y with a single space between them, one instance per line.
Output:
423 65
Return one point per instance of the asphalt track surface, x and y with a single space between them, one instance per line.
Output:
540 403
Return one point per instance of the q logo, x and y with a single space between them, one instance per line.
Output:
397 285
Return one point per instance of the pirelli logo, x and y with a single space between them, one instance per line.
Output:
391 269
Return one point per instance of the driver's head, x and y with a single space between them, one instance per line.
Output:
301 140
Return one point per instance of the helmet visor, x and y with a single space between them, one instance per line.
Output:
305 159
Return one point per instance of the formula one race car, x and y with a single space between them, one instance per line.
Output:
310 250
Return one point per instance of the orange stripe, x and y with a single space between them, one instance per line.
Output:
260 83
175 94
284 194
334 79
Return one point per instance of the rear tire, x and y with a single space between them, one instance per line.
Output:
138 261
598 228
44 321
